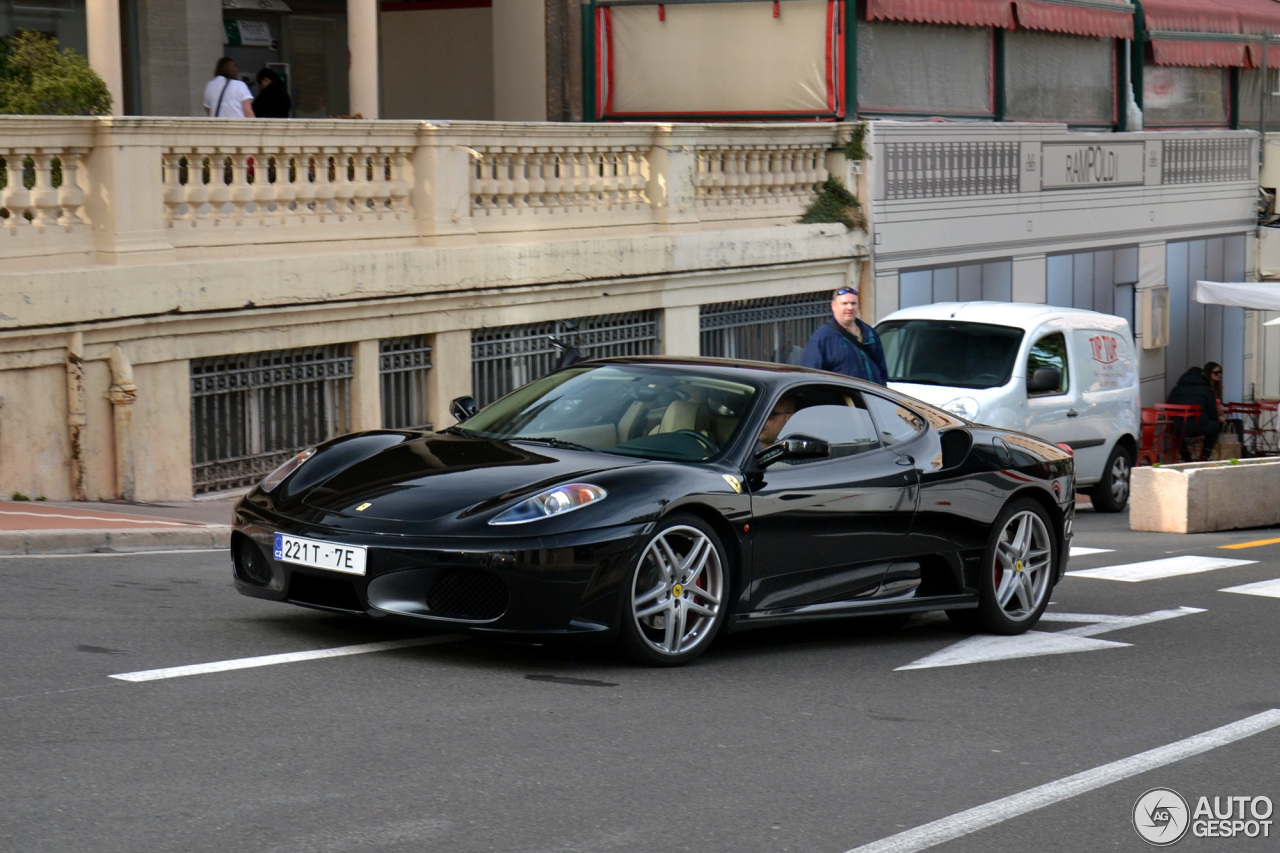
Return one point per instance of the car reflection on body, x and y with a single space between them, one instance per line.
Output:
632 499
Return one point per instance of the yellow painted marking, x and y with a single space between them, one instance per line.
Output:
1253 544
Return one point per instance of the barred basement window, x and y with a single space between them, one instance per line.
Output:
403 365
505 357
775 328
250 412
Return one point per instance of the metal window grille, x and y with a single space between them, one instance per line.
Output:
943 169
250 412
505 357
403 365
1193 161
771 329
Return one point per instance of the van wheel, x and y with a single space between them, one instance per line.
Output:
1112 492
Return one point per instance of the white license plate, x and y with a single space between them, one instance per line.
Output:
320 555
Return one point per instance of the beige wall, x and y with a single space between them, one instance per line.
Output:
519 60
437 64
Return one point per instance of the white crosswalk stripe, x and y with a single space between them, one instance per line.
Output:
1157 569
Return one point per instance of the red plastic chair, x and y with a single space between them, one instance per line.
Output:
1183 429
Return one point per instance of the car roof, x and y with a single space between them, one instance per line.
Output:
1020 314
761 371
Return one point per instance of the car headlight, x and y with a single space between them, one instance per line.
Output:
277 476
965 407
555 501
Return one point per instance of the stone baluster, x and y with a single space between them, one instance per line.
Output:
520 165
344 178
380 191
362 165
559 181
597 162
751 176
175 196
196 190
71 194
398 192
305 177
286 187
44 196
537 160
326 176
263 191
506 185
16 197
484 183
219 184
241 191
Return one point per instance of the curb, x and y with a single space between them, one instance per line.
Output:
33 542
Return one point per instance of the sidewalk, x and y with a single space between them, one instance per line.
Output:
77 527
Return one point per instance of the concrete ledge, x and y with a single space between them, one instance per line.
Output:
1198 497
32 542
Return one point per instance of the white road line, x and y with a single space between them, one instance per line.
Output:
1084 552
120 519
272 660
1271 588
110 554
997 811
1156 569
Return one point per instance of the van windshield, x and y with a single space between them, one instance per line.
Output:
949 352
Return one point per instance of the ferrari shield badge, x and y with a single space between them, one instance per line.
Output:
734 482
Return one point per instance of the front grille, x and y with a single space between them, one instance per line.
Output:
476 596
251 565
329 593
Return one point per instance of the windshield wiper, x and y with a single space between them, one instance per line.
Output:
552 442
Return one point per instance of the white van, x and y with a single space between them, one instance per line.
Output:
1065 375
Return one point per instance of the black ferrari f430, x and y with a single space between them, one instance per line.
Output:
658 501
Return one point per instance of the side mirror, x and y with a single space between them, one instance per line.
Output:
1044 379
794 447
462 408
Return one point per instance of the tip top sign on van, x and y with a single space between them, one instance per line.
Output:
1064 375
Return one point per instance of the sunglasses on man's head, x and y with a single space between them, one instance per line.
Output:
846 290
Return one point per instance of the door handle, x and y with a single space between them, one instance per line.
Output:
1072 413
905 460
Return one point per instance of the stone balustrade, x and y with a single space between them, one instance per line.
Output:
142 190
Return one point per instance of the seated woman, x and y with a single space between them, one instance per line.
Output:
1194 389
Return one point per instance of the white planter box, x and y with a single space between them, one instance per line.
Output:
1200 496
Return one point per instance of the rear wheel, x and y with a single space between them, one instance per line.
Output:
1017 569
1112 492
677 598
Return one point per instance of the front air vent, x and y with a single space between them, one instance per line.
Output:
251 565
470 595
956 444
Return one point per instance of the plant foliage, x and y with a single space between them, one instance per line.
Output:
38 79
834 204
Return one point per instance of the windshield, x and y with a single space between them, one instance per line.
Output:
634 410
948 352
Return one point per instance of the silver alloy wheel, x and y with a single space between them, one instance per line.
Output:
1023 565
1120 471
678 590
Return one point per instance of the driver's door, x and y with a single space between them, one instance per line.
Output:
826 530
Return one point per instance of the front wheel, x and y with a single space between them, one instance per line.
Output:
1112 492
678 594
1017 569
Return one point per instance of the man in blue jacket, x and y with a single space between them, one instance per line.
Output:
845 344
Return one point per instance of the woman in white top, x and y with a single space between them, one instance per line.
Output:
226 95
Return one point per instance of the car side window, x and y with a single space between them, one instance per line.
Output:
895 421
834 415
1049 352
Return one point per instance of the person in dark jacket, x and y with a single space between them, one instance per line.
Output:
273 99
845 344
1194 389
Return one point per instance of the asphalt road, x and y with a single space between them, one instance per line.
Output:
827 739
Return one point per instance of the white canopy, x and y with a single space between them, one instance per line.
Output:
1262 295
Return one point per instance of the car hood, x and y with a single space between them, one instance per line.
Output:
437 475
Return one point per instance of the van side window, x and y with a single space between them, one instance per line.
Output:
1049 352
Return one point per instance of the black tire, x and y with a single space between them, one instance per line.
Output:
1111 494
677 595
1017 569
